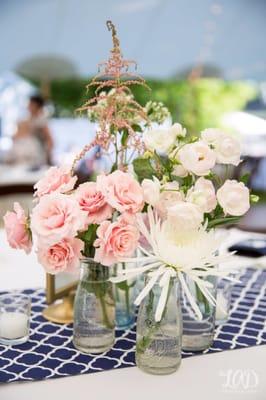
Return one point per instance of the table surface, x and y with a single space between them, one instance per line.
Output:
230 375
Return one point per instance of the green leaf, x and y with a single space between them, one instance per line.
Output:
124 137
222 221
244 178
137 128
89 235
143 168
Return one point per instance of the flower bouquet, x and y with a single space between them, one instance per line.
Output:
161 200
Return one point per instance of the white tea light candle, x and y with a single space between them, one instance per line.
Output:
13 325
14 318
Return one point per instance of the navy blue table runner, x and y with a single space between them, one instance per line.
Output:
49 353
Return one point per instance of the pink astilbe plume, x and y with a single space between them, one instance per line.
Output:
121 111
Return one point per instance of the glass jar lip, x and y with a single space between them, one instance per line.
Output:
14 298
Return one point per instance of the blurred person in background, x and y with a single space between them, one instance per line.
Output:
33 142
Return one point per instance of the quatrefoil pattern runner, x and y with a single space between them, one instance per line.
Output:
49 353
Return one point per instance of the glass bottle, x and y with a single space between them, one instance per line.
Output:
124 301
198 334
158 346
94 309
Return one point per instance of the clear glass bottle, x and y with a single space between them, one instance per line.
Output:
94 309
124 301
224 293
158 346
198 334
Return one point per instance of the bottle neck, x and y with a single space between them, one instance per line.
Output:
93 271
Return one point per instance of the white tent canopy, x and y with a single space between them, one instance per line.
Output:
165 37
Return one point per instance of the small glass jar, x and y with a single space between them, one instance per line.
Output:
158 346
94 309
124 300
198 334
224 294
14 318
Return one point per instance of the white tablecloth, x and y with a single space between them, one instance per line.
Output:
215 376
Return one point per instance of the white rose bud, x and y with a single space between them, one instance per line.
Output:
178 130
233 197
169 196
180 171
203 195
184 216
159 140
226 147
197 158
151 190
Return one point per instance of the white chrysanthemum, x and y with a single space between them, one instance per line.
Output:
193 254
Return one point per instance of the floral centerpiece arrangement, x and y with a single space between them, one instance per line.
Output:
156 209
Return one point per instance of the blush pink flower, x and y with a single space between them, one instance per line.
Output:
197 158
115 241
203 195
56 179
121 191
93 203
17 230
57 216
61 256
233 197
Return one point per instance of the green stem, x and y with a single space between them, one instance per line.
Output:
147 339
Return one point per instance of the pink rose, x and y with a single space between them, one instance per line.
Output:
93 202
233 197
61 256
57 216
197 158
121 191
17 229
203 195
115 241
56 179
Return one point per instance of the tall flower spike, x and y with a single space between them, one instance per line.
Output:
121 111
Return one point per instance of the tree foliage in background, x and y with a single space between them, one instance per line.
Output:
195 104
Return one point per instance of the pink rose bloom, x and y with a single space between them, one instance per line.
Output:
57 216
56 179
93 202
197 158
203 195
233 197
115 241
121 191
61 256
17 230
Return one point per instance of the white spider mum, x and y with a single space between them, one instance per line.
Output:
173 253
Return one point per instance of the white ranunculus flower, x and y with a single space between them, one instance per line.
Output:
233 197
184 216
197 158
203 195
151 190
169 196
178 130
226 147
180 171
160 140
